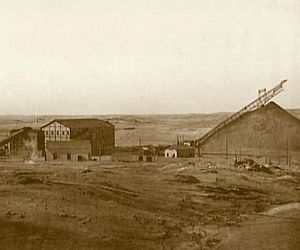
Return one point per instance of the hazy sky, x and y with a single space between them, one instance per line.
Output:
139 57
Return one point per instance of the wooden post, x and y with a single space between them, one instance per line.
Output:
235 155
287 151
226 146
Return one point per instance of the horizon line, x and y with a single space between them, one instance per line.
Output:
128 114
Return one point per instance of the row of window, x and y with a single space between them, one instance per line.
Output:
57 132
55 156
79 157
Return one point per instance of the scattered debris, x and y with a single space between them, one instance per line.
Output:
211 170
212 242
86 220
86 170
22 216
63 214
171 166
29 161
182 169
251 165
162 235
197 231
11 213
276 167
210 165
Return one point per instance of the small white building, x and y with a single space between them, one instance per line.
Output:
180 151
171 152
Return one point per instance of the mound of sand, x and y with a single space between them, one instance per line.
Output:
185 178
25 180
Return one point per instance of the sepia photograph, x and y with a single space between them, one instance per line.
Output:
149 124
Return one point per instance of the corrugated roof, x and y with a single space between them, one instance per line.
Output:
181 147
81 123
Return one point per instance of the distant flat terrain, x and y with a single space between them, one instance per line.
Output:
151 129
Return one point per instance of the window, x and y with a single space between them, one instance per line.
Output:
57 132
47 133
55 156
68 156
63 132
52 132
68 132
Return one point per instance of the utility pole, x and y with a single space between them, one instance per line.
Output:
226 146
287 152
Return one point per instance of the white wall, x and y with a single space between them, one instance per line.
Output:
56 132
171 153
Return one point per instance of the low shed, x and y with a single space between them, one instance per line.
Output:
74 150
26 143
180 151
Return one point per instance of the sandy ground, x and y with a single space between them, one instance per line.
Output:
178 204
263 232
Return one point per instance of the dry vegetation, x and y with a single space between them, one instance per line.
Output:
166 205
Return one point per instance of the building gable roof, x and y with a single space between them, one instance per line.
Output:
81 123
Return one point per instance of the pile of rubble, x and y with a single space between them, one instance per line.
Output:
251 165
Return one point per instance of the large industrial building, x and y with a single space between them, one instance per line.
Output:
269 132
261 129
78 139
